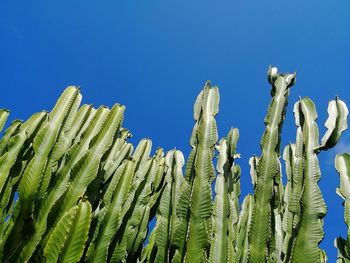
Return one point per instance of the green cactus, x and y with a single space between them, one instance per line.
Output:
191 241
86 195
342 164
268 168
226 207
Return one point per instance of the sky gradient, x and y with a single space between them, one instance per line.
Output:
155 56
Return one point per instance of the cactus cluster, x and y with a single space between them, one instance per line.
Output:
74 189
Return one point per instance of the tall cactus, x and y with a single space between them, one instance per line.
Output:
293 156
309 230
194 210
226 208
268 167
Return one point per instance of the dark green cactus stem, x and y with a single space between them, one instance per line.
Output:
268 168
195 206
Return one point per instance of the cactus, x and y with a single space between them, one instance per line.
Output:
268 167
162 235
225 207
342 164
194 209
74 189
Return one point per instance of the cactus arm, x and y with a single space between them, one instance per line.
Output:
287 221
194 210
335 124
15 144
268 168
310 232
342 165
66 243
111 220
75 243
225 206
59 148
72 127
293 157
42 144
253 162
86 169
158 248
129 240
244 224
10 131
4 114
48 202
29 185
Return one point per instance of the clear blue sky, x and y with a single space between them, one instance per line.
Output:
155 56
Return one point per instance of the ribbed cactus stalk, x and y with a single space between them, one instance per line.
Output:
62 177
60 146
293 156
132 233
110 220
117 200
9 162
43 144
67 241
244 225
226 207
87 168
309 230
268 168
195 206
342 164
159 248
29 185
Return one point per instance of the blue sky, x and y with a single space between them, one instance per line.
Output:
155 56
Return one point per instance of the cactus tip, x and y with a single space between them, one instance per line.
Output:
272 74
